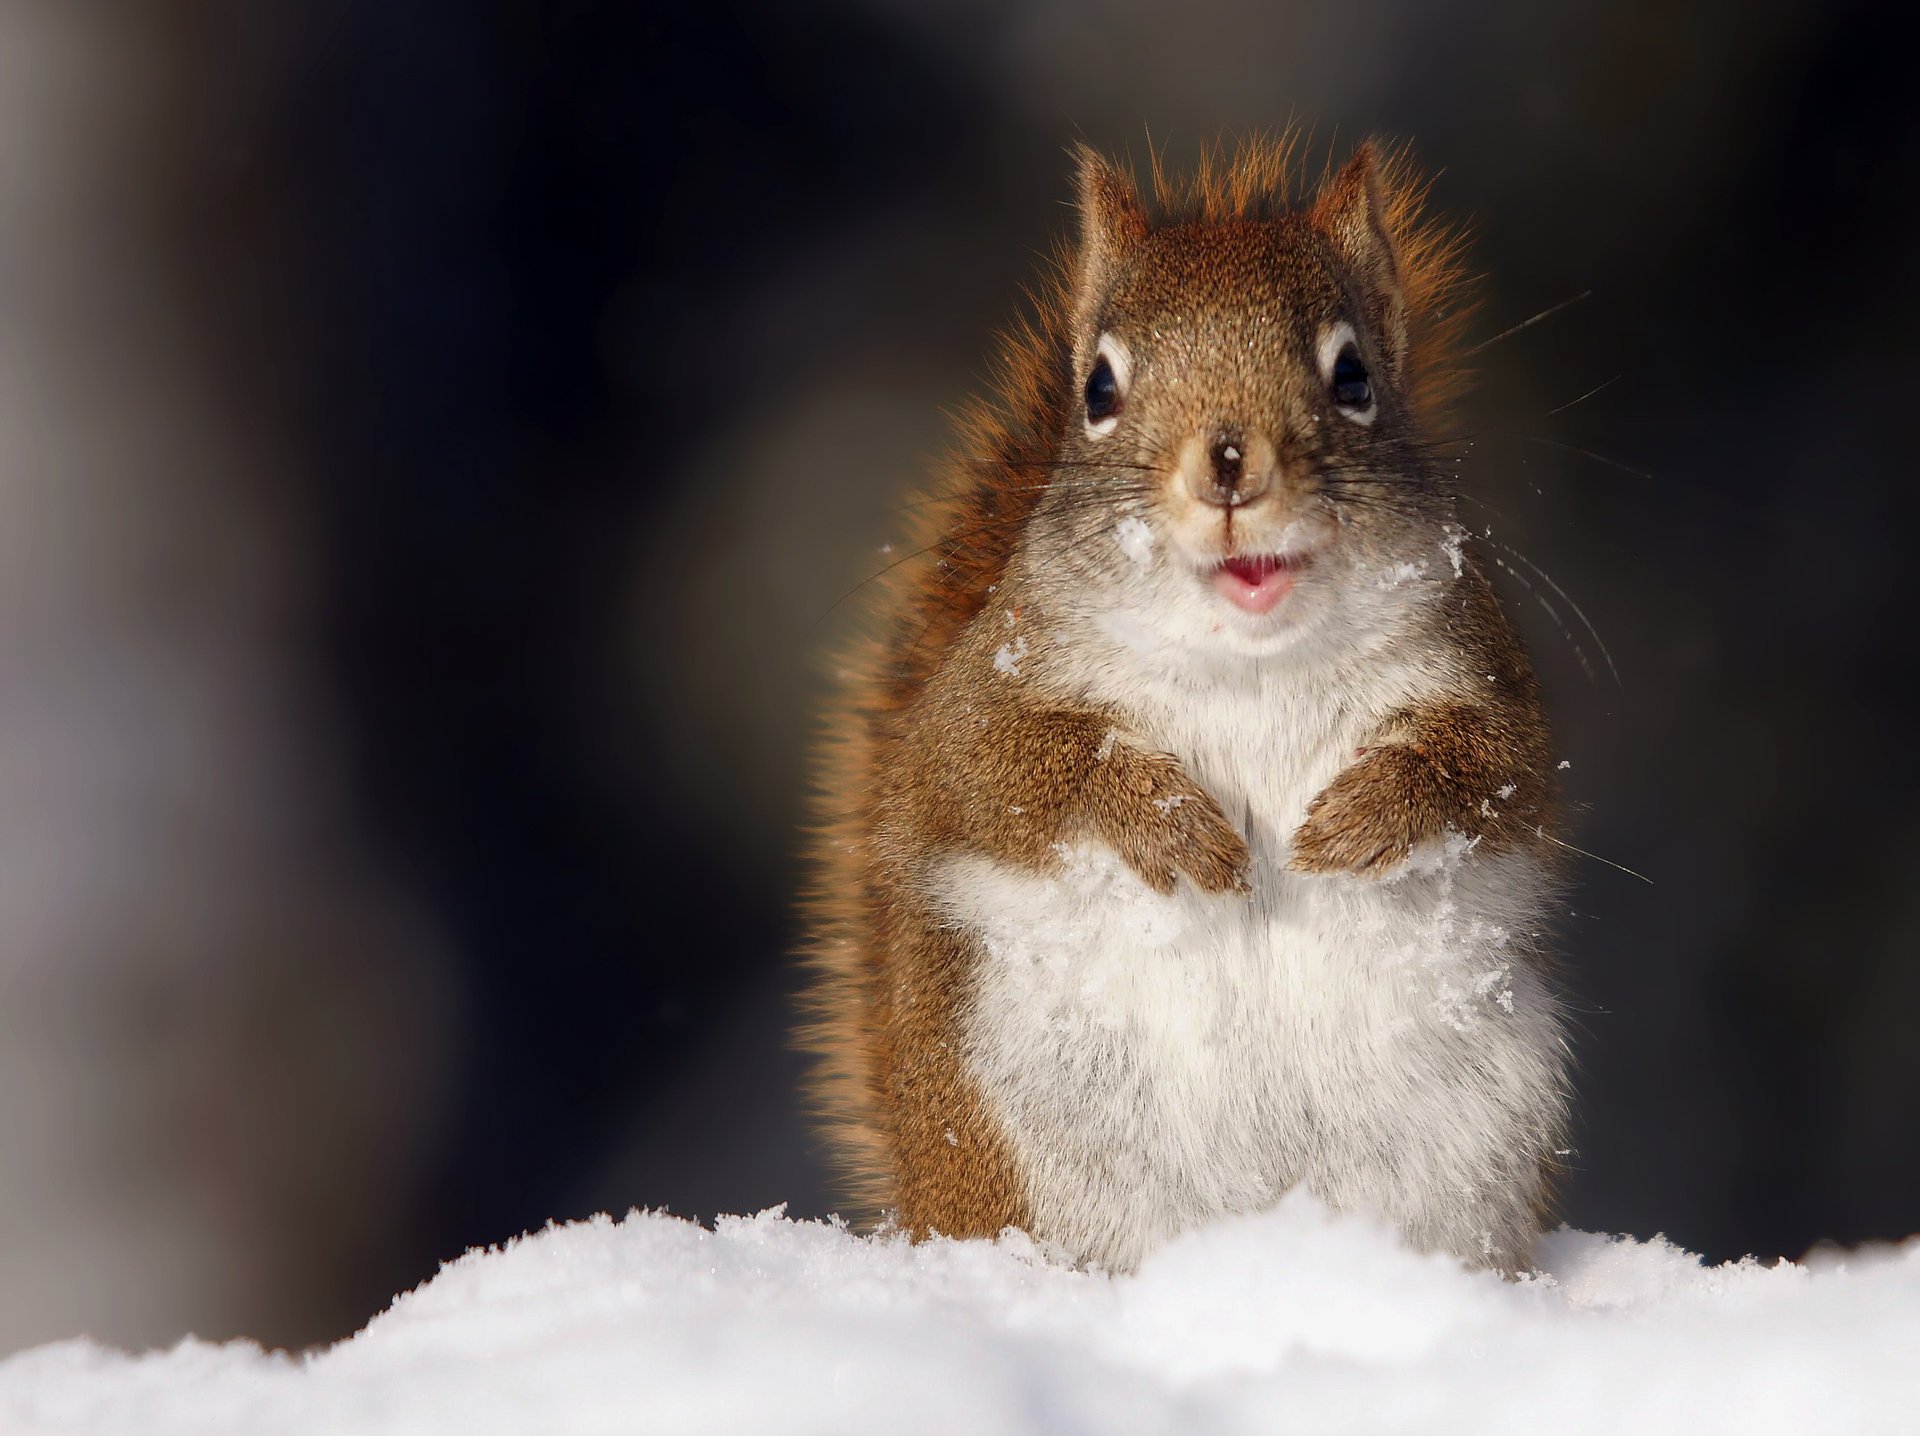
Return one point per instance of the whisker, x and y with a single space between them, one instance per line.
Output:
1482 504
1547 578
949 542
1038 463
1121 486
1073 498
1540 832
1585 454
1604 384
1546 313
1560 623
906 659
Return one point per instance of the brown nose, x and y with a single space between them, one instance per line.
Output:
1232 479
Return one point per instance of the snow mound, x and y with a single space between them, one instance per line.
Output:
1298 1319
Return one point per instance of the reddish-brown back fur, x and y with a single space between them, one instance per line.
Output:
960 543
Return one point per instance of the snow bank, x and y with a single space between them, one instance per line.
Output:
1295 1320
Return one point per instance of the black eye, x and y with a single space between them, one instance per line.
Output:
1103 391
1351 390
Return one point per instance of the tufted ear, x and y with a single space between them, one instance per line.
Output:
1352 212
1112 222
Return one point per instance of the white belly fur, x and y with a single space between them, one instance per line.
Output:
1154 1061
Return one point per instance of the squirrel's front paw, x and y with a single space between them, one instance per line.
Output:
1162 823
1371 815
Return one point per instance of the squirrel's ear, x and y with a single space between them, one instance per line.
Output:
1112 222
1351 211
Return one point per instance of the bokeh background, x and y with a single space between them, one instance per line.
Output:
435 439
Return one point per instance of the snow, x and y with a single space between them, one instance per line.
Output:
1402 574
1010 656
1296 1319
1135 539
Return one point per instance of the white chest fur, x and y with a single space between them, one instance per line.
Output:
1158 1060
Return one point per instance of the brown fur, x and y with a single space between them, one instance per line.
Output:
1436 765
924 753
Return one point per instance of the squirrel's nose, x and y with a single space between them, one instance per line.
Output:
1232 479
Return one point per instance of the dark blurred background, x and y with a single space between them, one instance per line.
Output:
434 438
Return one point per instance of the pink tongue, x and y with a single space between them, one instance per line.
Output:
1253 584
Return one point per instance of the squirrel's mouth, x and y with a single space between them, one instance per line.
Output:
1255 584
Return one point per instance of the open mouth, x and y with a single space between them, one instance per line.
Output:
1255 584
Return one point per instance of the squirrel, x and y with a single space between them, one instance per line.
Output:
1186 831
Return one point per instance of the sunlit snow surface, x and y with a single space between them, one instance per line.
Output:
1294 1321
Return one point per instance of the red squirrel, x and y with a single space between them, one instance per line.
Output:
1187 832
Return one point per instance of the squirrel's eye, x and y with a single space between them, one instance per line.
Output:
1345 376
1106 388
1351 389
1103 391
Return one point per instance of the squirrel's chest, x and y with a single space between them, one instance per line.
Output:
1154 1060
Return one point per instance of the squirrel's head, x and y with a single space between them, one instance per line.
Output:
1245 450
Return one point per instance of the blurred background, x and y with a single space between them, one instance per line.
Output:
434 442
